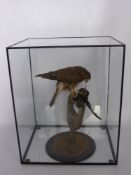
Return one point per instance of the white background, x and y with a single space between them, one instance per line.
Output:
21 19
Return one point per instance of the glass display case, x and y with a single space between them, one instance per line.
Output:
32 62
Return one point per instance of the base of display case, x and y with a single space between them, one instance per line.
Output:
35 152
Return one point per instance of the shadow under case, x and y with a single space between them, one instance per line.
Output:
36 122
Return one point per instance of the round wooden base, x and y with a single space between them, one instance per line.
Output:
61 149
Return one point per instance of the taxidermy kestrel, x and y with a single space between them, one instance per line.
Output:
67 79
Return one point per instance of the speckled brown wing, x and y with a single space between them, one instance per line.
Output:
72 74
67 78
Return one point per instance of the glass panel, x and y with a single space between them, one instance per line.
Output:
115 74
68 41
21 80
102 153
94 60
